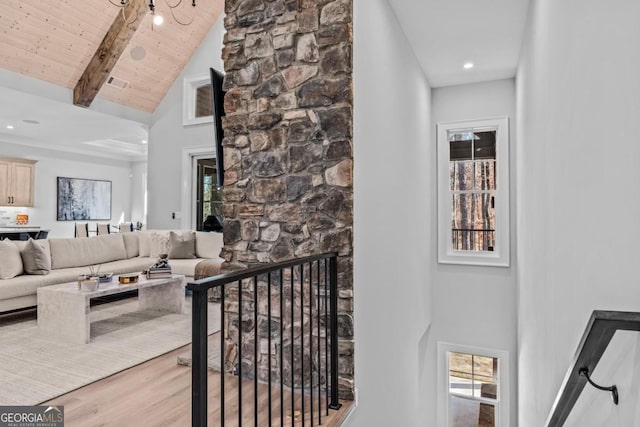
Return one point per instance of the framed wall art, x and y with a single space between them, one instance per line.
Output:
83 199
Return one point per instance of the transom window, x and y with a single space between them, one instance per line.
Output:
473 212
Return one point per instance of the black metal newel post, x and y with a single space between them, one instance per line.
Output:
302 339
199 363
222 355
319 348
255 351
240 353
281 349
292 347
326 338
333 299
269 342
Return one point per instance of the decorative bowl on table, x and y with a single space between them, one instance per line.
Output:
126 279
88 284
104 278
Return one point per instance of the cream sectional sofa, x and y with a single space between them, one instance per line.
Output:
115 253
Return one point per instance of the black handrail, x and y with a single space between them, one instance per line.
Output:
595 340
200 290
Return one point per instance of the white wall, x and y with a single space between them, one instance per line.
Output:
52 164
620 365
167 136
578 201
393 238
476 306
138 192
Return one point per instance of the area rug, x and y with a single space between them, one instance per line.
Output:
35 368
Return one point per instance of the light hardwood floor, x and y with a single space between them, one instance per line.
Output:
158 393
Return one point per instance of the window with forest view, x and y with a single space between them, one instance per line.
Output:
473 192
472 178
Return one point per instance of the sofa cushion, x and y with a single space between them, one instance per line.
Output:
158 243
85 251
182 245
11 265
132 244
35 258
28 284
144 243
208 244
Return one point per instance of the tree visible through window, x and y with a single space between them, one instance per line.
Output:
473 192
472 178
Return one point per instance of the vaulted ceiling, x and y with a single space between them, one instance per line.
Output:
56 40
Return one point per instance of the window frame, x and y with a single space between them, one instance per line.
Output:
500 256
503 396
190 87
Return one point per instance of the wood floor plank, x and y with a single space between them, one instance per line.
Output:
158 393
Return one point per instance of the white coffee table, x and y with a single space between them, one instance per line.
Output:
63 310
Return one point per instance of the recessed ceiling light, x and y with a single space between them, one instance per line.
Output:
158 19
9 126
468 65
144 141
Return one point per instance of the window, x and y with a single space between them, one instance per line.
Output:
473 192
473 386
208 194
197 103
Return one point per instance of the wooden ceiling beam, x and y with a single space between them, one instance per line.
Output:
108 53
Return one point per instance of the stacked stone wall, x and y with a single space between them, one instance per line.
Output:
288 142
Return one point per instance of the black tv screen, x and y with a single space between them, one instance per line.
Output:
217 97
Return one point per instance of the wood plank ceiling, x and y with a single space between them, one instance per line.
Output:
55 40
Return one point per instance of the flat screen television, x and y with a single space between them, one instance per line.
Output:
217 98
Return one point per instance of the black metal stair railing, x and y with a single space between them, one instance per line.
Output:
312 283
598 334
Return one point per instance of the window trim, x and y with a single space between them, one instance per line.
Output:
500 257
190 87
503 398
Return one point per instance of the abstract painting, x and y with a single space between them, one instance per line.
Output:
83 199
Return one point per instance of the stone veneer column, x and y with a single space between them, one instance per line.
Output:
288 140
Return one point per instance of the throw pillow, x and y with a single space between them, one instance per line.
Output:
35 258
144 243
10 260
158 244
182 246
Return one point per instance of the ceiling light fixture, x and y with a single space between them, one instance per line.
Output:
468 65
157 19
144 141
9 126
